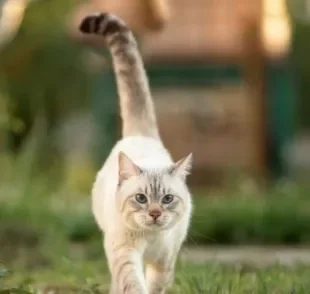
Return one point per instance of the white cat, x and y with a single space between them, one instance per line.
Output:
140 198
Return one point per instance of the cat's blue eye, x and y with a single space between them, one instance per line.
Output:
141 198
167 199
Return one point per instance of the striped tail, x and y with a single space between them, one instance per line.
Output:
136 103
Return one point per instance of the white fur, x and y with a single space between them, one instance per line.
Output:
140 199
148 153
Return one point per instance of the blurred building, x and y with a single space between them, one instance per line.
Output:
216 69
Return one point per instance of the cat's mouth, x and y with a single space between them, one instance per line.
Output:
159 225
155 224
152 224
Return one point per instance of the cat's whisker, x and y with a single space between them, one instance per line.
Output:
201 235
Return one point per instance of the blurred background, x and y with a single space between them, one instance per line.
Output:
230 81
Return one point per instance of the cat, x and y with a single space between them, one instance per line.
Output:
140 198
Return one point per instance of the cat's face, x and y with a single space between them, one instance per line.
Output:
153 200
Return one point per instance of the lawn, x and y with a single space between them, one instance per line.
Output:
72 276
41 249
48 240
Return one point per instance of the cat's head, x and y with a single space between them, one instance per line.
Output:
153 199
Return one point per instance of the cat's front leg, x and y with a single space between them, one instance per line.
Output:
127 273
126 269
113 288
160 275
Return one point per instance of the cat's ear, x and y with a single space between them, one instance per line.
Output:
183 167
126 168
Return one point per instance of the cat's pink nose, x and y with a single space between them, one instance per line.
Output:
155 214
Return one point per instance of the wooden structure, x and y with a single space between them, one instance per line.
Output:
207 68
219 34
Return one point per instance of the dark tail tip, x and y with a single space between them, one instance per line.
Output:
91 24
103 24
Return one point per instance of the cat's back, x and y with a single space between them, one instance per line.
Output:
146 152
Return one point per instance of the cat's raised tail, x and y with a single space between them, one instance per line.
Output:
137 107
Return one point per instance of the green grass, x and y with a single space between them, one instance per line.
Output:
92 277
48 238
45 246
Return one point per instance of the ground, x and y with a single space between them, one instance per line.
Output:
65 268
49 244
91 277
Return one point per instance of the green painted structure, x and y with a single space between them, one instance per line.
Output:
281 99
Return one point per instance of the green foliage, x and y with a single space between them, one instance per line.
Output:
233 220
268 219
49 240
41 70
273 218
279 216
81 228
190 279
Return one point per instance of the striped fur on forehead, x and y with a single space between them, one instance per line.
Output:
154 184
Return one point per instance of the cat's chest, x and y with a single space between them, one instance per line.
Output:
155 247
